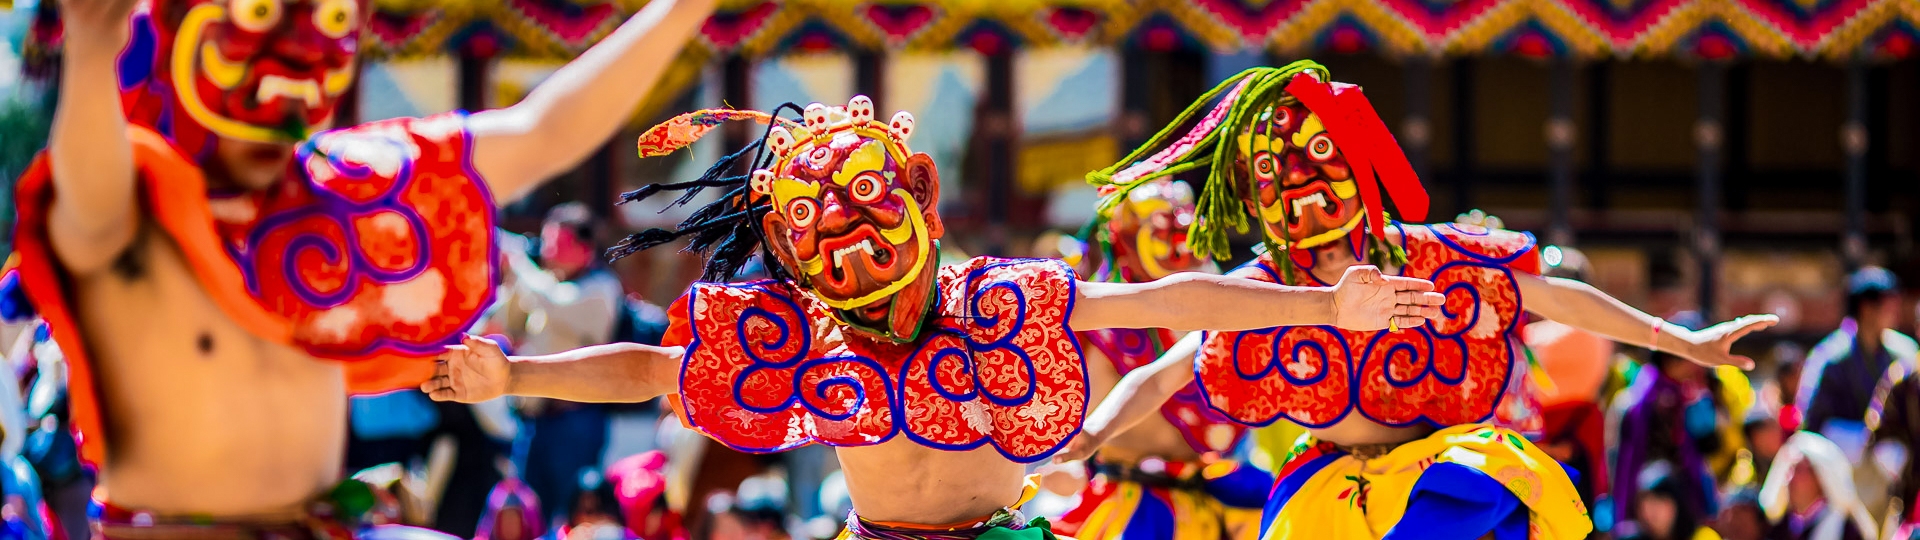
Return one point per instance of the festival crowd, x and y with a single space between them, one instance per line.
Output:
205 270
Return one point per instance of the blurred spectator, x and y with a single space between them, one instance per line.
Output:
639 488
1843 369
596 512
49 443
449 438
1575 362
23 513
1660 508
1809 494
1764 437
756 512
400 497
513 513
1788 359
1742 518
835 505
566 302
1863 359
1895 420
1678 412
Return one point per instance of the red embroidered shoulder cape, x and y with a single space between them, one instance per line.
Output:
377 249
1128 349
767 369
1454 370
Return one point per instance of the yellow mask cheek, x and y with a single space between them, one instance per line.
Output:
223 73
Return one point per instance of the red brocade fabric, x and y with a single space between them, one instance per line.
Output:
385 249
768 369
1131 348
1454 370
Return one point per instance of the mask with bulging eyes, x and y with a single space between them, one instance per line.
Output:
1148 232
1306 193
854 215
257 70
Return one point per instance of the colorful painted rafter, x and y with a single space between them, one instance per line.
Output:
1832 29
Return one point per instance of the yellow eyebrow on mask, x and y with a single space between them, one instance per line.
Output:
1308 129
787 189
868 157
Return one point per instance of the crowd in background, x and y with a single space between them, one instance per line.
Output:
1814 445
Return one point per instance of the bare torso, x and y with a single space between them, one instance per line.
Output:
902 481
1153 437
204 418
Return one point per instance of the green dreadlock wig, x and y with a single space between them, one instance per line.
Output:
1205 135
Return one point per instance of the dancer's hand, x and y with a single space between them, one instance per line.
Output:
1367 299
1713 346
471 372
1081 447
1063 479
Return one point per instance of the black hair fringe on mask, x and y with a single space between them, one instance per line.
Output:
727 231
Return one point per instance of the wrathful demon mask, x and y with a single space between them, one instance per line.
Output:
1144 237
1305 156
266 71
837 198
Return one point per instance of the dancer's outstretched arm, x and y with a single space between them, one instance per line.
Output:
1137 396
1579 305
95 217
574 111
477 370
1365 299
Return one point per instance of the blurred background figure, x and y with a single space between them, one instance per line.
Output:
1742 518
566 301
1809 494
1845 371
1788 360
1679 413
1764 437
513 513
66 485
23 512
639 488
1894 418
1661 508
757 511
595 513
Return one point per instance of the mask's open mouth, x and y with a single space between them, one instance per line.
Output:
865 247
1316 199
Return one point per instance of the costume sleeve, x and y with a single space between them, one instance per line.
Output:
386 251
679 323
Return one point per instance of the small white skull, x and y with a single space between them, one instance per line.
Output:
861 109
762 181
816 115
902 126
780 140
